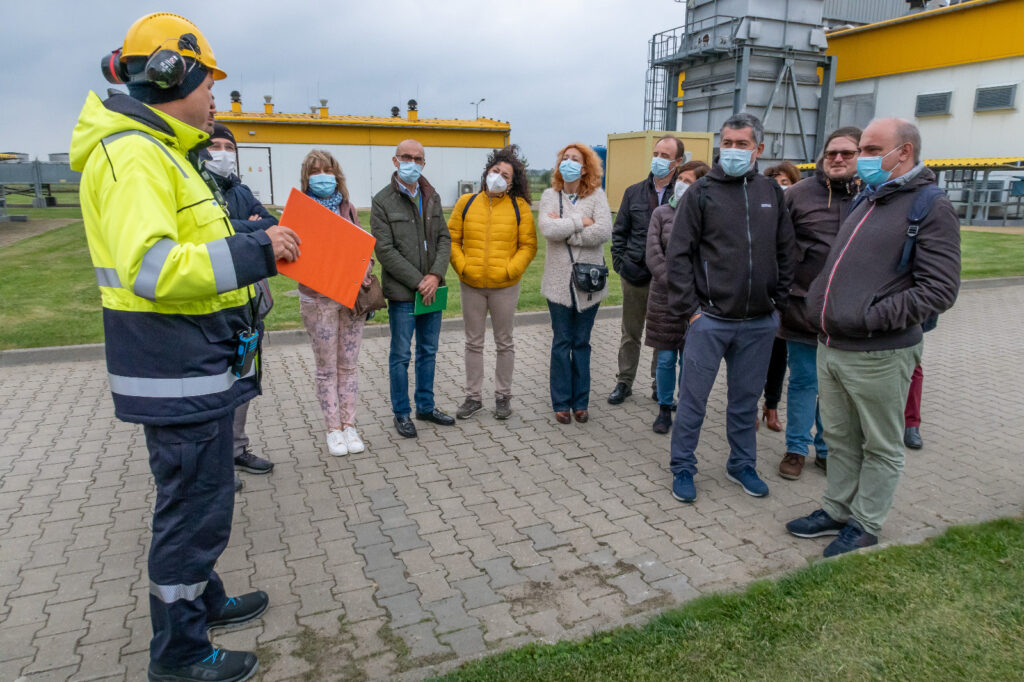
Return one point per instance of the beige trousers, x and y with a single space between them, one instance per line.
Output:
501 303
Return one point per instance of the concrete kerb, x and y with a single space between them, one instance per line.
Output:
95 351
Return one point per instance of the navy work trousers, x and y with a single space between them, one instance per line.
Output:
746 346
193 466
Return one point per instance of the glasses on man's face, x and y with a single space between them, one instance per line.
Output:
846 154
406 158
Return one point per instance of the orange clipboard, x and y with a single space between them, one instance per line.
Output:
335 251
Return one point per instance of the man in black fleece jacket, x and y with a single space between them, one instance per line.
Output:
730 263
869 302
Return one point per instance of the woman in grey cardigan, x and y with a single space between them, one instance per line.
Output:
573 215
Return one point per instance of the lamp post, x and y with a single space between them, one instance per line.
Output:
477 105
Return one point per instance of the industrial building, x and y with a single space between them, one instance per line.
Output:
809 66
271 146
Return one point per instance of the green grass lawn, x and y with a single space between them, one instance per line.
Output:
50 294
949 609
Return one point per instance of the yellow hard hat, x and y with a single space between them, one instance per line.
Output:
163 30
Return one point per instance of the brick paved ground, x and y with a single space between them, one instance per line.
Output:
470 539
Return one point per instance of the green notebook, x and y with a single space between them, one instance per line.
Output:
440 302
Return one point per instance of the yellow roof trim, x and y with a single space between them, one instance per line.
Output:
993 162
968 33
485 124
909 17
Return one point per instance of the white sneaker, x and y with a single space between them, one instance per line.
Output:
352 440
336 443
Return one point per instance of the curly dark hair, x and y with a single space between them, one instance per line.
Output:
510 155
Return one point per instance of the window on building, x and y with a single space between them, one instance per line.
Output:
994 98
855 110
933 104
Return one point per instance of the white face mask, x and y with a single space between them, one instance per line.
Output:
222 162
680 189
496 184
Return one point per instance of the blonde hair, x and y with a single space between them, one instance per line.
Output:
590 178
319 158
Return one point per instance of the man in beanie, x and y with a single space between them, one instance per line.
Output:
247 215
179 316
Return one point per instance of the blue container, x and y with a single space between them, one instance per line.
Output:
1017 186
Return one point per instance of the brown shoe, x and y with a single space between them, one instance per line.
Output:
771 419
563 417
582 416
791 466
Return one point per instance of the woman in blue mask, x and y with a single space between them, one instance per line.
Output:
575 219
334 330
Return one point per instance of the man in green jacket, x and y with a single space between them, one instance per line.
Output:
175 284
413 247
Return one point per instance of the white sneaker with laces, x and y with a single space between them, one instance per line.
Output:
336 443
352 440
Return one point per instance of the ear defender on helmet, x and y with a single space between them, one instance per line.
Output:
113 69
165 68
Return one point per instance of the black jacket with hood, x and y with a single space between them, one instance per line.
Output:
861 301
731 253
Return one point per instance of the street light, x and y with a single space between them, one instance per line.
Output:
477 105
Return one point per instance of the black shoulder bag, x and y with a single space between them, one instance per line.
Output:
587 277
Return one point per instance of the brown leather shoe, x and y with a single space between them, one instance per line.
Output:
563 417
771 419
582 416
791 466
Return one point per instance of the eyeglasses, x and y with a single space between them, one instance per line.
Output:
406 158
845 153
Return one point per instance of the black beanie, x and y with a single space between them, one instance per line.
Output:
220 130
149 93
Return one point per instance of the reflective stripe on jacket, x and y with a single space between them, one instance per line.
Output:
172 273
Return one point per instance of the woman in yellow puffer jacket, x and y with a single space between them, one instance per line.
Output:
493 241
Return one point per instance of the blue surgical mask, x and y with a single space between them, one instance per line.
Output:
409 172
870 170
323 184
735 162
570 170
660 166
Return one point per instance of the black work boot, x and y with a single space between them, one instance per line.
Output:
220 666
663 424
239 609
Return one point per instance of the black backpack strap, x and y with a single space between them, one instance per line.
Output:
469 203
702 196
923 201
515 207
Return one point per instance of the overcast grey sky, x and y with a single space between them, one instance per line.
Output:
558 71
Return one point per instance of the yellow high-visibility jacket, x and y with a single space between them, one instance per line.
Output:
173 275
490 249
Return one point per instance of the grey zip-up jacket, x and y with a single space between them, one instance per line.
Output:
732 252
860 301
410 245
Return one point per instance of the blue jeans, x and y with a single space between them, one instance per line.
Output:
428 328
570 356
666 374
802 401
746 346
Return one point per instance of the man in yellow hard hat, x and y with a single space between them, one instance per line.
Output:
179 314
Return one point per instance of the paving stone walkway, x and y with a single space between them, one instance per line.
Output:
418 554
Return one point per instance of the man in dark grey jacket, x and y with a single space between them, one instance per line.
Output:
878 284
413 247
629 255
730 263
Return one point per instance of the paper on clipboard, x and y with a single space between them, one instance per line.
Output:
335 251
